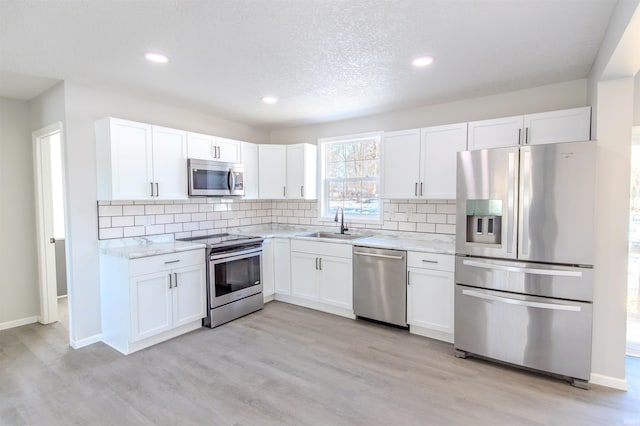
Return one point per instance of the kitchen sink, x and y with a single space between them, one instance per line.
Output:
333 235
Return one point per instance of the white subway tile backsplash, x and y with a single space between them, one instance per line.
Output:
202 216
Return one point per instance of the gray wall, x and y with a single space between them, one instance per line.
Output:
18 260
546 98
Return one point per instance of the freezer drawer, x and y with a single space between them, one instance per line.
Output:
536 279
544 334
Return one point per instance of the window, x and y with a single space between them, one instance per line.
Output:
350 177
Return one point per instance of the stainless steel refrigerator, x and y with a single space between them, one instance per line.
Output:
524 256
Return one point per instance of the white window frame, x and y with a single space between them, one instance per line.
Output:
323 214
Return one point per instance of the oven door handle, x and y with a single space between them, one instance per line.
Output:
229 256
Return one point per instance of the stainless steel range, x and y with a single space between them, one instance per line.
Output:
234 278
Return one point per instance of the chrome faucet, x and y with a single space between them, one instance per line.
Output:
342 227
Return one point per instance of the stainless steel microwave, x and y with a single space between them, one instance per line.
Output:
215 178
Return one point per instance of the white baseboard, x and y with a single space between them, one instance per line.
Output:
18 322
77 344
608 381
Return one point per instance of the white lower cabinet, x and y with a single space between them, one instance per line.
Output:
430 292
321 277
151 299
275 268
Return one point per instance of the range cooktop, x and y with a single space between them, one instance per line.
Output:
223 240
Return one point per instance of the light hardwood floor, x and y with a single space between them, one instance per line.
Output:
286 365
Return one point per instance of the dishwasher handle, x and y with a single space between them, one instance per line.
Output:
384 256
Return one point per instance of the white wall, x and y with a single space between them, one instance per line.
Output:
18 263
546 98
636 100
83 107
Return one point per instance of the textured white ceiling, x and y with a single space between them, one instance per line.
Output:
324 59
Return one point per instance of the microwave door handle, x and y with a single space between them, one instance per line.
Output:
231 180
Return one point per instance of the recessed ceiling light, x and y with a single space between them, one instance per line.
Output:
269 99
423 61
158 58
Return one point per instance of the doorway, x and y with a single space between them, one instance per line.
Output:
633 283
50 224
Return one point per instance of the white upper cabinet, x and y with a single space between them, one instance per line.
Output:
567 125
401 164
421 163
438 151
137 161
206 147
272 170
496 133
302 160
287 171
250 164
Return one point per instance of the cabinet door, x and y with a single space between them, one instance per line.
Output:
569 125
200 146
282 265
305 275
336 284
295 171
495 133
438 148
131 160
401 164
169 163
430 299
150 305
229 150
189 294
268 284
272 169
250 164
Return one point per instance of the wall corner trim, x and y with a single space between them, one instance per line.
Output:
17 323
608 381
81 343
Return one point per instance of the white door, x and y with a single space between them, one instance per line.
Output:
268 285
150 305
430 299
295 171
200 147
189 294
569 125
401 164
336 284
438 148
229 150
250 164
305 275
131 160
282 265
169 163
495 133
272 169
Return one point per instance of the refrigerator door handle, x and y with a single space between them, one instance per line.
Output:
511 200
522 269
525 202
526 303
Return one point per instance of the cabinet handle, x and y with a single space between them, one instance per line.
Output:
421 184
218 152
213 150
284 191
416 190
408 275
526 135
157 190
519 135
171 261
170 286
302 191
321 264
429 261
316 263
151 183
175 279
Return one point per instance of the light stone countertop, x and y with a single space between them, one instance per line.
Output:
412 241
133 248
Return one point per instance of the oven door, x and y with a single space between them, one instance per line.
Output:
234 276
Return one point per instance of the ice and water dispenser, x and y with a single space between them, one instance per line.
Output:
484 221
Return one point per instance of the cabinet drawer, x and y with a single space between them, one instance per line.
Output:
321 248
435 261
146 265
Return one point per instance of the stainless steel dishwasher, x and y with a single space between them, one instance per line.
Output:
380 284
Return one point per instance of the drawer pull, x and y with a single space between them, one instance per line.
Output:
429 261
172 261
525 303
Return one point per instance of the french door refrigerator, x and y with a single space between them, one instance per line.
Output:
524 256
